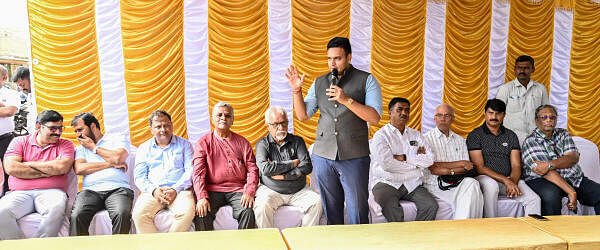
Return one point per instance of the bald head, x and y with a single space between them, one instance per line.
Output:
445 106
444 116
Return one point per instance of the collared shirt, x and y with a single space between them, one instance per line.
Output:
445 149
538 147
495 149
224 165
521 103
274 159
27 148
108 178
372 97
170 166
8 97
387 142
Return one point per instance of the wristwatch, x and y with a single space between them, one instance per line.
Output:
451 171
350 101
550 166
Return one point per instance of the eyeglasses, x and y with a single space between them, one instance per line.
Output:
277 124
447 116
551 117
54 128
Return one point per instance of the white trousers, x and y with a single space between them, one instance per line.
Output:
532 204
267 201
50 203
466 198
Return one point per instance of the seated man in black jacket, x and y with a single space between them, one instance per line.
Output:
283 162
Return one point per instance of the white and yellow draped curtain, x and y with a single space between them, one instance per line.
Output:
123 59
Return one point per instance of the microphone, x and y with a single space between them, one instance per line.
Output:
334 79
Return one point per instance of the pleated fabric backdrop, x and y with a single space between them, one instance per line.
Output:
123 59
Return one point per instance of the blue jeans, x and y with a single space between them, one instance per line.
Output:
347 179
588 193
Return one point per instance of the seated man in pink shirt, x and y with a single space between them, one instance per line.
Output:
37 166
225 173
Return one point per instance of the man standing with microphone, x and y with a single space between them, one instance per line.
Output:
348 98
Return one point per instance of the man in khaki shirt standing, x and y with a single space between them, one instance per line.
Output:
522 96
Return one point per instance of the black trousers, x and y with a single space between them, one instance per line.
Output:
588 193
244 216
388 197
117 202
5 139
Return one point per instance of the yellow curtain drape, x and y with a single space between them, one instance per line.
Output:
314 23
152 33
565 4
531 32
468 26
397 54
238 66
584 98
63 40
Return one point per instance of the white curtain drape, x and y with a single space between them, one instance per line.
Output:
433 73
280 55
361 26
112 76
561 58
498 43
195 60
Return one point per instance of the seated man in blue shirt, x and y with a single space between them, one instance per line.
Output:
163 168
101 160
551 169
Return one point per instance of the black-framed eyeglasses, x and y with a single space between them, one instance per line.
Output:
551 117
54 128
277 124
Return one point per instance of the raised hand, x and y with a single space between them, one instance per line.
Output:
294 78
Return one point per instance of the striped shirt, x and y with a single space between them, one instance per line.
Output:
445 149
387 142
538 147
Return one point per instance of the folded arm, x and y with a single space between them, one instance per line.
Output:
15 166
266 165
8 111
84 168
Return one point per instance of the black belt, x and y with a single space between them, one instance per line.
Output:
4 136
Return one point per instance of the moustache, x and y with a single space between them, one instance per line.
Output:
494 120
57 135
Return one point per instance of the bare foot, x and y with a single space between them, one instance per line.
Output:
572 205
